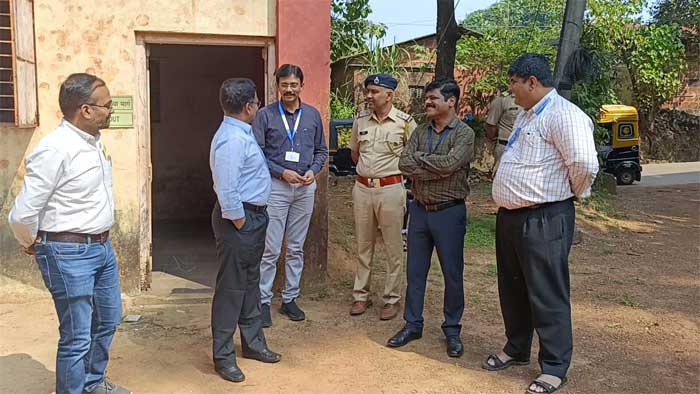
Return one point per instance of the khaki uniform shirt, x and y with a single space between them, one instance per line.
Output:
502 114
380 144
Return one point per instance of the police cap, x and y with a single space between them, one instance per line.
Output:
384 80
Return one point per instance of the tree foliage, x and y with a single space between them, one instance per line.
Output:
649 58
350 28
683 12
510 28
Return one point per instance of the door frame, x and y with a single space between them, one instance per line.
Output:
142 119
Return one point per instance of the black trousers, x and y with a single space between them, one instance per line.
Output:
237 295
532 253
443 230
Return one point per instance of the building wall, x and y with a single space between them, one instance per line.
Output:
313 55
100 38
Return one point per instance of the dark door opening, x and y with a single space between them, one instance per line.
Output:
185 114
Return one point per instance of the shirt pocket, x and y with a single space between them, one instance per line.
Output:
364 141
533 147
307 138
392 144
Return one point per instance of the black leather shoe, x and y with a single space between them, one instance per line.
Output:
265 356
233 374
454 347
292 310
403 337
265 315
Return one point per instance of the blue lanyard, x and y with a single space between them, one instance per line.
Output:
516 132
430 139
291 133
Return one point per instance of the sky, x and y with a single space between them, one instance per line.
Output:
407 19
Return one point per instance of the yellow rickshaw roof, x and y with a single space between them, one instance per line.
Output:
613 113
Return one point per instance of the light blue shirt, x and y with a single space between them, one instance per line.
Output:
238 167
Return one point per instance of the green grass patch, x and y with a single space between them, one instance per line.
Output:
481 231
491 270
628 301
480 189
601 202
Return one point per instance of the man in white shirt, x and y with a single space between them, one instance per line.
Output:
549 160
62 216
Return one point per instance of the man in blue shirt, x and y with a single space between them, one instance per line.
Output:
291 135
239 220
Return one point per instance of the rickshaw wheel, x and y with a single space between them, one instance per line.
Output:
625 177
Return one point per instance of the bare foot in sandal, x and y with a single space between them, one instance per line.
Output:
501 361
546 384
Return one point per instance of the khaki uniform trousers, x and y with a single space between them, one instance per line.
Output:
498 150
380 208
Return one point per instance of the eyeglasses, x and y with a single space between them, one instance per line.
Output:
257 102
107 106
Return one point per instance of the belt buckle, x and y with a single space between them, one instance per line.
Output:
374 182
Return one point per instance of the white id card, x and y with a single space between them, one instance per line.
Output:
292 156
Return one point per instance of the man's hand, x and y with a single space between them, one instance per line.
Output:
309 177
29 250
239 223
292 177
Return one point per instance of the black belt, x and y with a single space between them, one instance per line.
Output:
542 205
441 205
79 238
254 208
503 142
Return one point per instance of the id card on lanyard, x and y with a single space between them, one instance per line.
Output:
516 132
291 155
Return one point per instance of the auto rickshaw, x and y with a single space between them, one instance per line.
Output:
620 152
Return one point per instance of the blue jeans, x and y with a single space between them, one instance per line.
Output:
84 282
442 231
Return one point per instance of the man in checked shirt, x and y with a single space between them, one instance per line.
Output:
437 160
550 159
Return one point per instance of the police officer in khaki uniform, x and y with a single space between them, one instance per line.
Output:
499 123
378 138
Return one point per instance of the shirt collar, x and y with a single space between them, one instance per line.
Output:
391 115
231 121
279 102
87 137
453 123
543 103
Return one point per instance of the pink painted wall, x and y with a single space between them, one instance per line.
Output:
303 38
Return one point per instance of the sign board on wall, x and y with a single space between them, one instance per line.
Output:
123 112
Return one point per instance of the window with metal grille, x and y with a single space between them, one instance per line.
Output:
18 96
7 86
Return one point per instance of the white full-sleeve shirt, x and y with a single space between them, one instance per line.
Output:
550 156
67 187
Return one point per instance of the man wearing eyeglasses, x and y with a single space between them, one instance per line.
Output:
242 186
291 135
62 216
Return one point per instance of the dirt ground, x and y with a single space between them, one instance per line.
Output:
635 287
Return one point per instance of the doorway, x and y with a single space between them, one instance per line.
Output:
184 83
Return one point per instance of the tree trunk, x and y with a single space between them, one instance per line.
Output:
447 36
569 38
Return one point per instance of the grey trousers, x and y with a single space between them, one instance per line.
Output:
290 208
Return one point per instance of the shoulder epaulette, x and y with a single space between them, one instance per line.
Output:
404 116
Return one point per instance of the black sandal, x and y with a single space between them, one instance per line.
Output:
499 365
548 388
